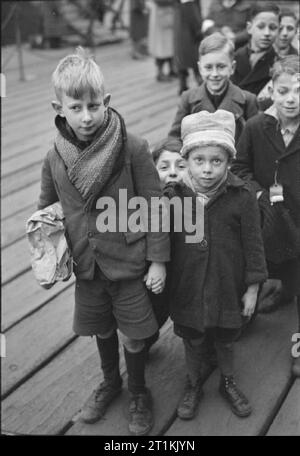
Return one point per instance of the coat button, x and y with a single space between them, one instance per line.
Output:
90 234
203 244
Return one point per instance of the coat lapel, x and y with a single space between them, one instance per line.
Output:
260 69
273 134
233 101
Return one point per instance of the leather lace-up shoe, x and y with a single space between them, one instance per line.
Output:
97 404
238 402
189 402
140 413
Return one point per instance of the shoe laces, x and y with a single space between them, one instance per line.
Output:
138 403
102 388
190 391
236 393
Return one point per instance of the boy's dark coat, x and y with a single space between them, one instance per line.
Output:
119 255
252 79
208 279
260 151
187 29
241 103
235 17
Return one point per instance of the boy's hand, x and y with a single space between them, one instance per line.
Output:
156 277
249 300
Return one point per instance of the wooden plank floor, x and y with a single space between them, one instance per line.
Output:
48 373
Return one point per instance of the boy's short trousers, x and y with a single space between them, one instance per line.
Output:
102 305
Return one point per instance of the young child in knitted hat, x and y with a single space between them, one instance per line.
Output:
211 278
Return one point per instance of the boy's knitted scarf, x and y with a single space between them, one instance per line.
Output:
90 169
202 193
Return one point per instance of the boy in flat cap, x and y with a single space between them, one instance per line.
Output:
214 282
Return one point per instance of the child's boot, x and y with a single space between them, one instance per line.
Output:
111 387
188 405
296 361
197 370
140 406
238 402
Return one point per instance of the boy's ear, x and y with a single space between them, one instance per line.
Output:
56 105
249 27
271 91
106 99
199 66
233 66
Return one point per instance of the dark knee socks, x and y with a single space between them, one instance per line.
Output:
225 358
195 358
135 363
109 355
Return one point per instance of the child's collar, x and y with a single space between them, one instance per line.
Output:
272 111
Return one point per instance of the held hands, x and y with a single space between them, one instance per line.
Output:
156 277
249 300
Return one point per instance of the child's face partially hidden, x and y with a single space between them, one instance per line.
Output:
216 69
84 115
170 167
287 32
286 96
263 30
207 165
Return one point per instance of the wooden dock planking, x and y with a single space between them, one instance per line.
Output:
287 421
51 398
45 132
166 363
263 373
19 201
47 401
58 371
24 295
36 339
15 260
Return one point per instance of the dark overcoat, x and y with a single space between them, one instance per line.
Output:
138 28
252 79
241 103
235 17
120 255
187 28
261 152
208 278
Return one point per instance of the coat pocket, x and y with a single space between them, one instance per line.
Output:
133 237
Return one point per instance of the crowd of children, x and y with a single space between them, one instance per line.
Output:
242 166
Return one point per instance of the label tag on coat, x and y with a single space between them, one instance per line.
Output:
276 193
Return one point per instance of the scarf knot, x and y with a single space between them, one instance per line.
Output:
90 169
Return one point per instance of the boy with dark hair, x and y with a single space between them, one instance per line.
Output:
287 32
268 157
254 60
94 157
216 65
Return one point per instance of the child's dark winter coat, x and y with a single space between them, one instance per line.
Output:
120 255
208 279
240 102
252 79
260 152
